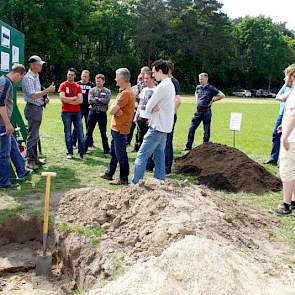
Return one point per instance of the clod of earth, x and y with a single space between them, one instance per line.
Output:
223 167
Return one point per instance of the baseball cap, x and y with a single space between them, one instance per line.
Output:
35 59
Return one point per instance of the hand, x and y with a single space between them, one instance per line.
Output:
285 143
51 88
9 129
279 129
46 100
156 108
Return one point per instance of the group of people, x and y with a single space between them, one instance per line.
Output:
150 107
283 142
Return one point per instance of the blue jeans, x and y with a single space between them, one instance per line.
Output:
118 154
84 114
199 117
9 152
276 140
154 142
70 119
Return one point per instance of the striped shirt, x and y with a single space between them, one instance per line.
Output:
31 84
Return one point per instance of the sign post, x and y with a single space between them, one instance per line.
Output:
235 124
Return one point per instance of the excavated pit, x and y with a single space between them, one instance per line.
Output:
99 236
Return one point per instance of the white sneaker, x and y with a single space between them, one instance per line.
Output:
69 156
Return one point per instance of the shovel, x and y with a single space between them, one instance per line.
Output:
44 262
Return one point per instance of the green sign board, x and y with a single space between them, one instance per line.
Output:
12 50
12 47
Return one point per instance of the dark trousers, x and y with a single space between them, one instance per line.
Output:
118 154
99 118
84 114
130 135
199 117
33 114
169 148
69 119
142 129
276 140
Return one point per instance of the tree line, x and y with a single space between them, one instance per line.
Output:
102 35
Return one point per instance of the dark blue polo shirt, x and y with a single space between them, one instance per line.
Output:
205 95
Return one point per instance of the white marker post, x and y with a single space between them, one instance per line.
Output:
235 124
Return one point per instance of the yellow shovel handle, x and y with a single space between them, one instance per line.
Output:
48 176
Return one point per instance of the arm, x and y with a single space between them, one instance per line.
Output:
3 113
289 128
29 86
283 94
153 101
68 100
219 96
106 99
177 102
91 98
116 108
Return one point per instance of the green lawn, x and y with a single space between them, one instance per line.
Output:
254 139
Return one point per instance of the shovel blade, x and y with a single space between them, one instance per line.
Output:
43 265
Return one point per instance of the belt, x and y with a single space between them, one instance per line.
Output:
35 105
203 109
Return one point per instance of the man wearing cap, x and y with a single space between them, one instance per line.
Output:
33 95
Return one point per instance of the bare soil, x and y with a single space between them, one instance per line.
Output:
226 168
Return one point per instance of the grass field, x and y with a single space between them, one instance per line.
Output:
254 139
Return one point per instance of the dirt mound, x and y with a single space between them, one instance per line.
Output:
196 265
142 221
223 167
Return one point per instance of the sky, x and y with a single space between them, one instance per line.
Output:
278 10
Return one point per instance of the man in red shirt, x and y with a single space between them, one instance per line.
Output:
71 97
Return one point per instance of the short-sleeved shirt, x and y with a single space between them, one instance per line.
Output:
205 94
285 89
176 86
31 84
126 101
85 87
144 96
6 99
70 90
99 99
289 106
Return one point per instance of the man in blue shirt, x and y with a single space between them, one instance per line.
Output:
276 136
34 98
205 94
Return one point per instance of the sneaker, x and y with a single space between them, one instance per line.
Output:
168 172
293 205
10 186
93 146
105 176
40 162
70 156
81 156
27 174
32 166
119 181
283 209
271 162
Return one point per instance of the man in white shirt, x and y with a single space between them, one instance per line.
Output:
161 105
287 153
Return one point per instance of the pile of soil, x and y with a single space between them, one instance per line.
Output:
223 167
141 222
196 265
